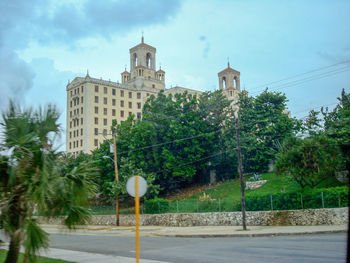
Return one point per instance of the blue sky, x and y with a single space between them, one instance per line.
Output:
44 43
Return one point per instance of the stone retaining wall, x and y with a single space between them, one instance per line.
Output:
327 216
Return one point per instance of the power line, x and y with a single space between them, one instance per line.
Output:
301 74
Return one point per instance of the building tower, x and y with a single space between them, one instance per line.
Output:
143 68
229 82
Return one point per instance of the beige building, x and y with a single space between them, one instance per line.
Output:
92 104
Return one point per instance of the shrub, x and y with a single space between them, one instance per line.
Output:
157 205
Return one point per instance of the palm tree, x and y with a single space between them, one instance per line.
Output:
36 179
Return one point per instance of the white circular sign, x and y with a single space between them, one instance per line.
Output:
130 186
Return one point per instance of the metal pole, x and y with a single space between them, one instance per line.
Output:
271 202
301 200
116 178
137 217
322 200
240 171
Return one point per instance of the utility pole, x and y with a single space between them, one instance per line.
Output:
240 171
116 177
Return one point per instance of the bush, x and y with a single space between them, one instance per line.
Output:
156 206
332 197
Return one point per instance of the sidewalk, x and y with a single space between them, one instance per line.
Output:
200 231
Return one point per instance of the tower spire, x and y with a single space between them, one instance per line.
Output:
142 38
228 62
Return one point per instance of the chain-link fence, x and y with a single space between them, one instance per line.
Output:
281 201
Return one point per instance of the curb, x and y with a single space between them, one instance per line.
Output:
253 234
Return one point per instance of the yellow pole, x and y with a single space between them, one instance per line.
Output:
137 214
116 179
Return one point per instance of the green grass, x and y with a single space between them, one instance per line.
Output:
3 254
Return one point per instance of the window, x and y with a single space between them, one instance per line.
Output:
81 110
78 111
74 144
77 101
71 93
139 105
77 122
130 104
71 104
96 88
96 120
122 93
121 103
70 145
81 132
130 94
96 99
113 112
113 102
73 133
81 142
153 86
105 90
96 142
96 131
121 113
75 112
104 132
82 89
139 115
70 113
82 99
104 121
70 124
81 121
130 113
139 95
105 111
96 110
113 91
70 135
147 94
104 100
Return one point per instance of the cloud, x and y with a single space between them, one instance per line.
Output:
206 46
65 23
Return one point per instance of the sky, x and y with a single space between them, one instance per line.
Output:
306 44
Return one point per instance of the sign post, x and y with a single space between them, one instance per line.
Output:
136 186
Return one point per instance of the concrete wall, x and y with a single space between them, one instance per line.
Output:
328 216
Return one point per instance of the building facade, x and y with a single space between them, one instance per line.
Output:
92 104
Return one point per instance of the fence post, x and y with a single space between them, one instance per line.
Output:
219 205
301 200
271 202
322 200
177 206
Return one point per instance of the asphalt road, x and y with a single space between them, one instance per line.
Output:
300 248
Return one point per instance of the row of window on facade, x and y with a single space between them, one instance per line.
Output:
75 101
76 144
105 101
114 92
75 133
105 110
75 122
76 91
76 112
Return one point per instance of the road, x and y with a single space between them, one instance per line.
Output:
300 248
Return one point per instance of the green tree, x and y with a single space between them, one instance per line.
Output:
310 160
35 178
264 122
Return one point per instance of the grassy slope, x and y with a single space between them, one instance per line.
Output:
40 259
276 184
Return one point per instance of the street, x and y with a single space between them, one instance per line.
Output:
298 248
